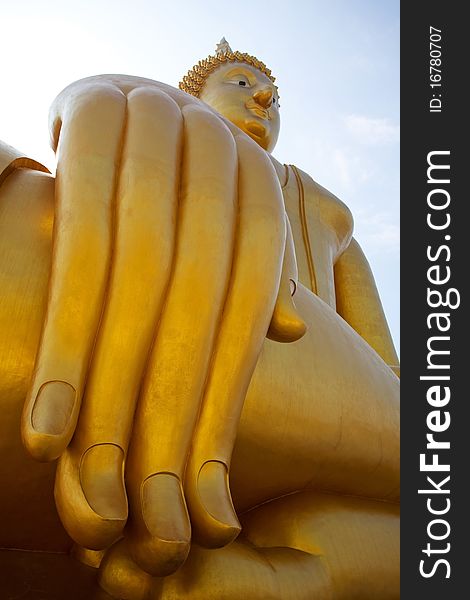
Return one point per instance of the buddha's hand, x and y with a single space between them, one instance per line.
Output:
169 237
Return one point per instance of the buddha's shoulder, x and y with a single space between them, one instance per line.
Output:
332 211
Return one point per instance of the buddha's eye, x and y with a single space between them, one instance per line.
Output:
238 79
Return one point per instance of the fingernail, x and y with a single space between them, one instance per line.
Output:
164 508
214 493
53 407
164 545
102 481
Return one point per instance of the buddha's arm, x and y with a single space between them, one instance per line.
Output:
358 302
322 227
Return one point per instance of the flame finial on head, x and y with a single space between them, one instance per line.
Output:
223 47
194 81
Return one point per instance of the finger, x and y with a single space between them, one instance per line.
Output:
247 313
171 395
90 493
89 149
286 324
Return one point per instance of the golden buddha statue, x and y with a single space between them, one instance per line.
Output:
201 345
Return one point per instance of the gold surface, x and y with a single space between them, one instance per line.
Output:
188 326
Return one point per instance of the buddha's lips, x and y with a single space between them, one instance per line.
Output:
259 111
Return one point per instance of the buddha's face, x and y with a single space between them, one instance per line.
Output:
246 97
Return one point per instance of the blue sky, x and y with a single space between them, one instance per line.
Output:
336 64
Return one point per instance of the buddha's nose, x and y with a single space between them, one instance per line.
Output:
264 98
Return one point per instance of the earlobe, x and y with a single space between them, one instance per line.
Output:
286 324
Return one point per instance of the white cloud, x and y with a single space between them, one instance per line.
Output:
372 131
352 171
386 237
380 231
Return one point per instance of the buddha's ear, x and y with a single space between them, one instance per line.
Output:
286 323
